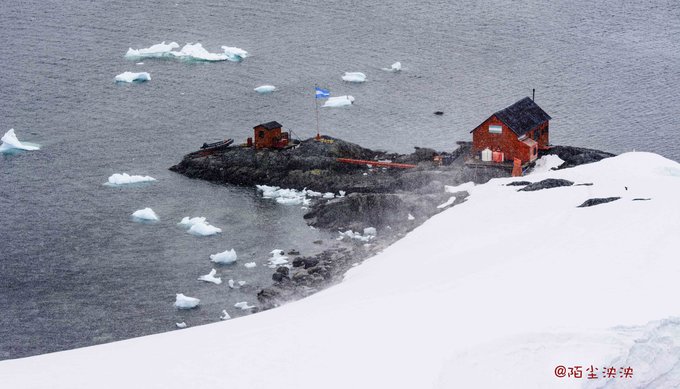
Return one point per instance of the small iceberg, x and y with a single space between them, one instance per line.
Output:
11 142
155 51
225 257
338 101
188 222
354 77
250 265
225 315
231 284
145 215
117 179
198 226
264 89
181 325
244 305
234 54
185 302
396 67
133 77
447 203
210 277
196 52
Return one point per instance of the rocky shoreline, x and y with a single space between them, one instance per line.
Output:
394 201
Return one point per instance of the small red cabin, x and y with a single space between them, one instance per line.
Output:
517 131
270 136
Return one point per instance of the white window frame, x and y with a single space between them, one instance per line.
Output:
495 129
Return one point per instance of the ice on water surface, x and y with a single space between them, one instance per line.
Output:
264 89
155 51
354 77
199 226
146 214
185 302
339 101
210 277
225 257
133 77
125 179
10 141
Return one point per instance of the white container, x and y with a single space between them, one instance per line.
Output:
487 155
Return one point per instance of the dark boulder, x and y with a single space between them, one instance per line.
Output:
574 156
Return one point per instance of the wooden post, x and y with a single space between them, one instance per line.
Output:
517 168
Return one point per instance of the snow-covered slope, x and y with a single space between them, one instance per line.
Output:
492 293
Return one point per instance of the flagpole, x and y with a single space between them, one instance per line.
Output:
316 104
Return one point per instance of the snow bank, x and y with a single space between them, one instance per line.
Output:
146 214
132 77
354 77
466 187
198 226
547 163
117 179
448 202
264 89
210 277
503 288
225 257
396 67
338 101
185 302
10 142
155 51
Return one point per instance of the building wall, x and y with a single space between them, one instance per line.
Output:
541 135
507 140
268 139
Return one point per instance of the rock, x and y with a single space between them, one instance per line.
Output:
318 241
278 277
519 183
574 156
641 199
597 201
547 184
310 262
293 252
283 270
438 113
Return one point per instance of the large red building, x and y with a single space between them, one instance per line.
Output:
517 131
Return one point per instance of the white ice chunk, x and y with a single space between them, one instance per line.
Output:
234 54
133 77
231 283
124 179
459 188
263 89
188 222
210 277
447 203
241 283
328 195
411 217
277 252
354 77
370 231
181 325
204 230
10 141
250 265
341 193
184 302
225 315
196 52
339 101
287 196
244 305
146 214
225 257
157 50
396 67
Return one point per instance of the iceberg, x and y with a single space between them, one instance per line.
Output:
145 215
234 54
188 222
10 141
210 277
370 231
125 179
338 101
196 52
241 283
198 226
250 265
225 257
287 196
155 51
185 302
244 305
354 77
264 89
132 77
225 315
396 67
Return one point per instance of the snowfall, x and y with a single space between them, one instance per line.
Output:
495 292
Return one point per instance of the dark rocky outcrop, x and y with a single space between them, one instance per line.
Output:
574 156
519 183
597 201
547 184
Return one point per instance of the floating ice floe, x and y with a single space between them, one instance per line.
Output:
396 67
225 257
185 302
145 215
196 52
225 315
286 196
447 203
210 277
250 265
369 234
277 259
155 51
234 54
133 77
11 142
181 325
338 101
199 226
125 179
263 89
244 305
354 77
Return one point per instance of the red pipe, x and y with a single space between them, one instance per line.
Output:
376 163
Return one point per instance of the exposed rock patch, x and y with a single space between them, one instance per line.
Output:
547 184
597 201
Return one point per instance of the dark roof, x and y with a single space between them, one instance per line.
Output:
270 125
523 116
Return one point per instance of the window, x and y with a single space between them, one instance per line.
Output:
495 129
534 150
260 134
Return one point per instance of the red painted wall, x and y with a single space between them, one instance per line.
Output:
269 138
507 141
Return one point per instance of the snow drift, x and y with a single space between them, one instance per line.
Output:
494 292
11 142
133 77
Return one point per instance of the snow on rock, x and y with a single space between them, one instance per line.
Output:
338 101
146 214
210 277
370 231
155 51
225 315
234 54
547 163
125 179
278 258
10 142
396 67
448 202
357 235
499 312
354 77
133 77
264 89
181 325
185 302
199 226
225 257
466 187
250 265
244 305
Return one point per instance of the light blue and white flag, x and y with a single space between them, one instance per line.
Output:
322 93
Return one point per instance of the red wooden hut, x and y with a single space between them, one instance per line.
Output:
517 131
269 135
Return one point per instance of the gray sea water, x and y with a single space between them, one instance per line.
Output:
76 271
